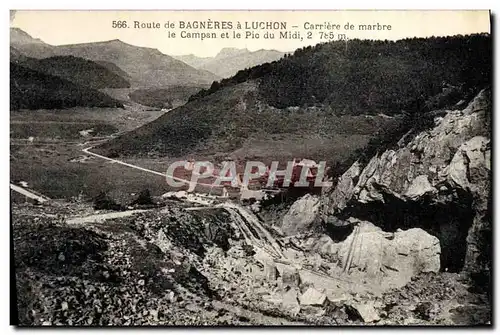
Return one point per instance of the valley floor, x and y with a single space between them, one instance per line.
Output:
46 152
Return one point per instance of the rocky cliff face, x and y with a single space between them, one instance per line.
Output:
438 181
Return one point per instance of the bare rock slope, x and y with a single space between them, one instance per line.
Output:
437 180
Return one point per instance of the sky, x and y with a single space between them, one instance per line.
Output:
69 27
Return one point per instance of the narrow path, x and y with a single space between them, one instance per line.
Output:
28 193
86 150
103 217
163 174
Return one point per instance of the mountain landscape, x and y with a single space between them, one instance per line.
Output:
402 235
230 60
341 101
146 67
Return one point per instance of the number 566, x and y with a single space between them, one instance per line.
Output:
119 24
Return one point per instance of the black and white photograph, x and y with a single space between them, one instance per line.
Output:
251 168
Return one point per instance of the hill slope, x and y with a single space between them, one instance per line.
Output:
31 89
234 122
338 103
147 67
371 76
230 60
29 46
77 70
170 97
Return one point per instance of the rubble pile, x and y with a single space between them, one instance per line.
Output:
165 267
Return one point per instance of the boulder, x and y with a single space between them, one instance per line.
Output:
301 215
344 189
419 187
363 311
290 301
392 258
416 251
313 297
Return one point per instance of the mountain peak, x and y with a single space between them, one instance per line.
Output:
231 52
115 41
19 36
119 43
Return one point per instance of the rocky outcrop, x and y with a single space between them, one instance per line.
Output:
391 259
438 181
403 254
301 216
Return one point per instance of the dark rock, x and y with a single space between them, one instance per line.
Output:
104 201
424 310
362 311
144 199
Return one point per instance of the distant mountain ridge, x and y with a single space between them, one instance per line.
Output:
231 60
146 67
26 45
19 36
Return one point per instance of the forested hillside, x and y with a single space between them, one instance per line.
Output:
31 89
336 101
80 71
370 77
